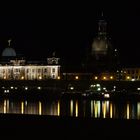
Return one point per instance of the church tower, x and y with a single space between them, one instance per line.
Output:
101 52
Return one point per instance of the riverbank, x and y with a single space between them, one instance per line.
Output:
77 89
64 85
67 127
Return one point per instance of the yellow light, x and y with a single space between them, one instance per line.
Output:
71 108
58 77
95 77
104 78
4 77
40 77
5 107
128 77
22 107
58 108
111 110
111 77
104 110
76 109
128 111
76 77
22 77
40 108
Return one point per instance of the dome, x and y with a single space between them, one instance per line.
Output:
99 46
8 52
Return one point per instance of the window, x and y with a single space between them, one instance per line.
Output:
53 70
132 71
53 76
39 70
33 70
45 70
3 71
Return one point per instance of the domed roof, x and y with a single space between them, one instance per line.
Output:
99 46
8 52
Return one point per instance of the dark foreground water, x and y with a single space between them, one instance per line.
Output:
73 107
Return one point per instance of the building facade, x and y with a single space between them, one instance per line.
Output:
18 70
15 68
131 74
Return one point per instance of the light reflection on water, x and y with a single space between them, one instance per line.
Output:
74 108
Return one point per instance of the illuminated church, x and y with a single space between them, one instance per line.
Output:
14 68
101 54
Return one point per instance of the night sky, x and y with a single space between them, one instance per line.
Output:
69 29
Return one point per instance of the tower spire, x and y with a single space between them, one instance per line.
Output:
102 26
9 42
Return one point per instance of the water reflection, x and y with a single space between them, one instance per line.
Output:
111 110
128 115
40 108
73 108
76 109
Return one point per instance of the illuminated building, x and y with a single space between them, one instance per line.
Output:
130 74
14 68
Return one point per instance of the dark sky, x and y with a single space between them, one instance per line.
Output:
70 28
